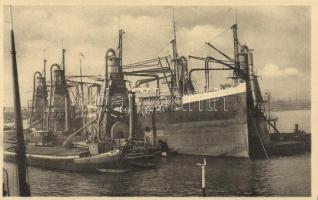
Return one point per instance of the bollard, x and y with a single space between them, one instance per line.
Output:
203 176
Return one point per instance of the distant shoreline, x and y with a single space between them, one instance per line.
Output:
289 109
281 105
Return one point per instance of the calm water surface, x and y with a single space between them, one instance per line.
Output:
180 176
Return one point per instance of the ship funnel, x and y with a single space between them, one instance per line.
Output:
185 85
243 59
112 62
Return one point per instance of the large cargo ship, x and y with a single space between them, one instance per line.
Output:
225 121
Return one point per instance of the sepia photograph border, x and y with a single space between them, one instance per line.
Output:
314 65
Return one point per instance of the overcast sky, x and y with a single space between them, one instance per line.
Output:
279 36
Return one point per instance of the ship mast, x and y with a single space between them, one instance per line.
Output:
236 51
63 60
44 67
120 47
23 186
174 55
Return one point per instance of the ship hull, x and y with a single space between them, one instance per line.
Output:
213 124
213 138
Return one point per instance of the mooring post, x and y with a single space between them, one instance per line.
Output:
203 176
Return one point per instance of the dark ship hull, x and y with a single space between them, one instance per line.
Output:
213 123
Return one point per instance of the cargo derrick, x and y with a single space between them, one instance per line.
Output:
116 112
58 102
175 75
60 114
54 112
114 97
115 122
39 100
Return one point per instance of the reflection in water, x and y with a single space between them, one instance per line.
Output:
180 176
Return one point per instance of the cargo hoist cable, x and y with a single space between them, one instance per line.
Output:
220 34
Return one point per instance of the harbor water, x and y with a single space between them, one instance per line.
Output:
180 176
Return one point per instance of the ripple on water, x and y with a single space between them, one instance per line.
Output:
180 176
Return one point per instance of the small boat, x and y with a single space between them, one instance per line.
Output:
297 142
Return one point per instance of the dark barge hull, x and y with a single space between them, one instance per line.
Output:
58 158
285 144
